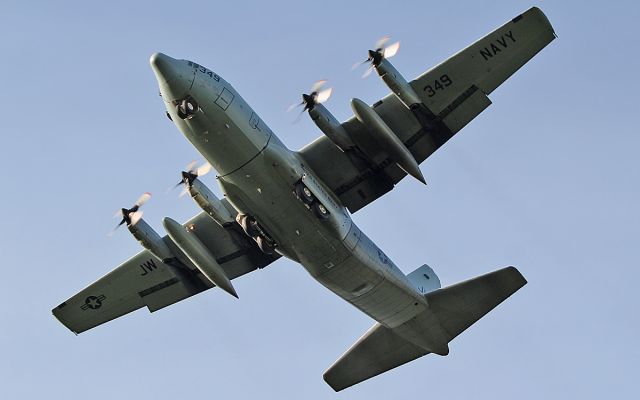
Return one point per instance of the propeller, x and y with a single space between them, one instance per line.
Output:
317 95
190 173
131 216
380 52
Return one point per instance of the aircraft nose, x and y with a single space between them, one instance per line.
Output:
164 66
174 77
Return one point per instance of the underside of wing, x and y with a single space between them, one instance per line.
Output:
452 94
144 280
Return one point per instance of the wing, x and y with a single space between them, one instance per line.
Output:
453 93
144 280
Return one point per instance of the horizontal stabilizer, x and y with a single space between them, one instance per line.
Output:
456 308
459 306
377 351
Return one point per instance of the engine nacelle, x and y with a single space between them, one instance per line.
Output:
150 240
210 203
396 82
330 127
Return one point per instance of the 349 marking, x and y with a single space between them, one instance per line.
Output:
205 71
439 84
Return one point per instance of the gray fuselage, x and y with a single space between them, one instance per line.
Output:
257 174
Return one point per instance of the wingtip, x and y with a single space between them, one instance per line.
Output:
56 314
519 276
332 383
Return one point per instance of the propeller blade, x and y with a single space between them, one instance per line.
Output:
175 186
359 63
324 96
135 217
133 214
391 50
294 105
184 191
203 169
190 167
381 42
143 199
368 72
111 232
318 85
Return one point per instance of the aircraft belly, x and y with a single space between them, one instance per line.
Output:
349 264
374 285
264 189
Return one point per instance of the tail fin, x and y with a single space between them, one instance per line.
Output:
455 308
424 279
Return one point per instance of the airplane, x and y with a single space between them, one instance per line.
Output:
298 204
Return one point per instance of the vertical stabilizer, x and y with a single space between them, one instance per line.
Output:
424 279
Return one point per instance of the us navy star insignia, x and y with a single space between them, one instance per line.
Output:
93 302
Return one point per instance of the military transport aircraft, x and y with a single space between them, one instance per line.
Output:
297 204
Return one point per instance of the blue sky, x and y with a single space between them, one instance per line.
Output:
546 179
